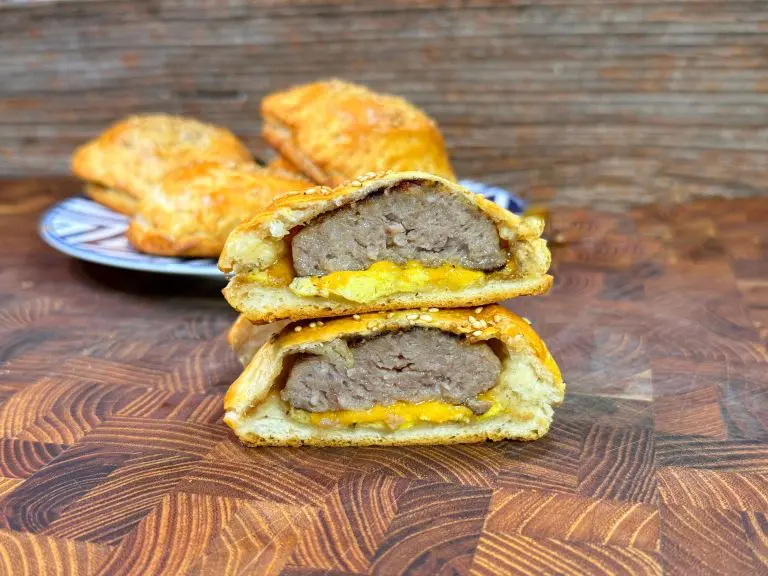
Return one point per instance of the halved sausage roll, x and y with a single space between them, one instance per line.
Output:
406 377
386 242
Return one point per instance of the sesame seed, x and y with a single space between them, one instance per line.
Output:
478 309
313 324
497 318
472 319
355 183
526 319
434 310
356 316
297 329
426 317
477 333
320 323
412 316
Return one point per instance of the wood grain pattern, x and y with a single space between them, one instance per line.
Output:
114 458
583 102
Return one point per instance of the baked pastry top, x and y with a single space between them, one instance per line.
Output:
194 208
334 131
280 165
135 153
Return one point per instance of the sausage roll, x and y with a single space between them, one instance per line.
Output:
386 242
133 155
194 208
334 131
406 377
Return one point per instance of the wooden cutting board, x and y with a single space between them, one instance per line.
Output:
114 458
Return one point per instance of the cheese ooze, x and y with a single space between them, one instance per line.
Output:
386 278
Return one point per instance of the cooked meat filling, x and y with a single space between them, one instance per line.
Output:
408 222
413 366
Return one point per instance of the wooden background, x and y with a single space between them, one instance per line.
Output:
114 459
593 102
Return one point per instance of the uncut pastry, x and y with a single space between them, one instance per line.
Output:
123 164
334 131
408 377
392 241
194 208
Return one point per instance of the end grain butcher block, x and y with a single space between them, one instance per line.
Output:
114 458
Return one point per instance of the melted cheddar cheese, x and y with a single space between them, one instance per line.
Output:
279 274
401 415
385 278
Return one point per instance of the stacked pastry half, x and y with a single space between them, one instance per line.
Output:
390 282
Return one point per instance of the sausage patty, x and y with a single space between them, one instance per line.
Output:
407 222
413 366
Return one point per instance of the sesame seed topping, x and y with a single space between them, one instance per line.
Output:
313 324
356 316
355 183
526 319
434 310
412 316
297 329
472 319
497 318
426 317
477 333
478 309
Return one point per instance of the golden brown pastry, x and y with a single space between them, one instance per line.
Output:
280 165
369 379
334 131
245 338
386 242
113 198
132 155
194 208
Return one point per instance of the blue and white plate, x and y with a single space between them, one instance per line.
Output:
88 231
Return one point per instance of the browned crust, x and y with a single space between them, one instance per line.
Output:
334 131
134 154
112 198
194 208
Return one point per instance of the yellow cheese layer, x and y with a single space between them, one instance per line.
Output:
279 274
385 278
403 414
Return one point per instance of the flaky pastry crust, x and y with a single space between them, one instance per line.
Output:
194 208
135 153
334 131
